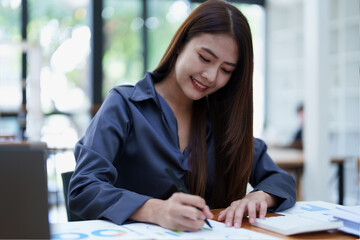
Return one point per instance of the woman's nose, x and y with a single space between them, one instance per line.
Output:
209 74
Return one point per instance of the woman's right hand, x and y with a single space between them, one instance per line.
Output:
179 212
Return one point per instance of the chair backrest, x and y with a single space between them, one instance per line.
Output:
66 176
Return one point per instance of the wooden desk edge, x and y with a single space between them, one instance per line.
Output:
334 234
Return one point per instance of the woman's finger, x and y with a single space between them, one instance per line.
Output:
222 215
263 209
230 214
239 213
251 206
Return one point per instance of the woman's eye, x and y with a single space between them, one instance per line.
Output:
204 59
226 71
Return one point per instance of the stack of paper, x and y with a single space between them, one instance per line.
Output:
350 215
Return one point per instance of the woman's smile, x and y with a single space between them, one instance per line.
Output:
198 86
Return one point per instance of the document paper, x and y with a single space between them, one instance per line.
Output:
99 230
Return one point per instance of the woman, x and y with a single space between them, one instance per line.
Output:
192 114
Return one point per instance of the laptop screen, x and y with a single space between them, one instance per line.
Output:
23 191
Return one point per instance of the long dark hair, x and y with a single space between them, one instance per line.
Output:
231 107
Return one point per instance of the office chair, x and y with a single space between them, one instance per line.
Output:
66 180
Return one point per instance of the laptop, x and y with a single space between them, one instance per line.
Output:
23 191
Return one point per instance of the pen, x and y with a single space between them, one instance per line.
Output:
181 187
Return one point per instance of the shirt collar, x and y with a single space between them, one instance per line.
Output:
145 88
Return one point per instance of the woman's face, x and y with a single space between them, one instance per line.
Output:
205 64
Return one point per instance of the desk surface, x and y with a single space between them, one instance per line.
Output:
334 234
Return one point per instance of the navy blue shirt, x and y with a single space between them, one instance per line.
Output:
121 160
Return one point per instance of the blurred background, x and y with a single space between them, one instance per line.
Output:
60 58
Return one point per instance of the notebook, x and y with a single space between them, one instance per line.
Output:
23 191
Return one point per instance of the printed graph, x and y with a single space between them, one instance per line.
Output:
70 235
109 233
313 208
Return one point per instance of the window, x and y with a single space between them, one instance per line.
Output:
10 68
164 19
61 29
123 59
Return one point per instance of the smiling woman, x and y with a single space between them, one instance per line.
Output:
193 114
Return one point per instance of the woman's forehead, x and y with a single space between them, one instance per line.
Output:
223 46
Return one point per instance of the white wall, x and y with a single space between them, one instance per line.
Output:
329 85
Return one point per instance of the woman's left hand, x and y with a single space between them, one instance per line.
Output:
252 203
